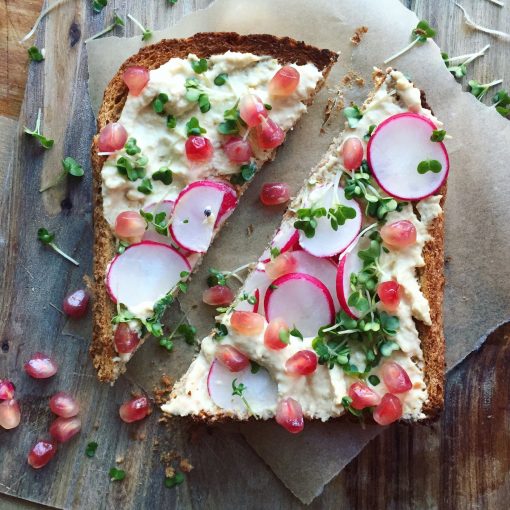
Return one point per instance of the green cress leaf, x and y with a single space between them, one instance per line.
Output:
35 54
47 238
437 135
423 31
172 2
220 330
501 100
254 367
203 103
99 5
248 171
221 79
368 134
158 104
46 143
131 147
373 380
116 475
193 127
199 66
72 167
90 451
145 187
178 478
164 174
386 348
295 332
171 121
228 127
353 115
188 332
429 165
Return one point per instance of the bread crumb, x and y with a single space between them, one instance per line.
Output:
335 103
169 472
250 229
358 35
185 465
353 77
119 459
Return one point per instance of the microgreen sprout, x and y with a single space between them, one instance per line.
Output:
460 69
69 167
429 165
475 26
99 5
353 115
117 22
438 135
90 451
133 164
35 54
420 34
146 33
501 101
193 127
246 174
195 93
232 121
157 220
239 389
220 277
44 12
164 174
47 238
46 143
182 330
480 89
178 478
199 66
145 186
116 475
221 79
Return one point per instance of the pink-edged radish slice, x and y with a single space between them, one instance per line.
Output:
261 391
199 209
256 284
349 263
302 301
397 147
328 242
152 235
166 206
285 239
144 273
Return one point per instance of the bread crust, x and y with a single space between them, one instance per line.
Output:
284 49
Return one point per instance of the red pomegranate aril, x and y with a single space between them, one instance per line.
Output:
389 293
10 414
64 405
42 453
275 193
40 366
76 303
352 153
362 396
125 338
389 410
284 82
289 415
395 377
399 234
218 295
6 390
302 363
247 323
275 330
252 110
269 135
134 410
112 137
130 225
237 149
199 149
63 429
136 78
231 358
284 263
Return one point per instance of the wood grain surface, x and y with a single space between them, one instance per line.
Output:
461 462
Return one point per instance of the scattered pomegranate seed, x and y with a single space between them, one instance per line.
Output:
218 295
388 411
247 323
399 234
63 429
135 409
362 396
302 363
198 149
269 135
284 263
275 193
289 415
231 358
275 330
40 366
112 137
6 390
126 339
252 110
64 405
284 82
136 78
237 149
130 225
10 414
389 293
75 304
42 453
395 377
352 152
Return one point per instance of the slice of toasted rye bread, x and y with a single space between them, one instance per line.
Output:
284 49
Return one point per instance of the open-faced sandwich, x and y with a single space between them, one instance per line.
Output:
183 127
343 311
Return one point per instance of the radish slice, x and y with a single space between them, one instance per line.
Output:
199 209
144 273
166 206
256 284
302 301
350 263
261 391
152 235
285 239
327 242
396 148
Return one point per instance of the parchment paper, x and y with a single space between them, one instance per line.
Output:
477 215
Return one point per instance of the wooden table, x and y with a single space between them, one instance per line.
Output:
462 461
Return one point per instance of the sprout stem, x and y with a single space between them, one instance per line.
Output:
40 17
60 252
401 52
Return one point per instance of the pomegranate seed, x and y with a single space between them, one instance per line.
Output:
135 409
282 264
389 293
130 225
399 234
40 366
136 78
218 295
269 135
112 137
252 110
6 390
302 363
231 358
126 339
247 323
352 152
64 405
362 396
388 411
275 331
42 453
237 149
10 414
395 377
290 415
63 429
284 82
199 149
275 193
75 304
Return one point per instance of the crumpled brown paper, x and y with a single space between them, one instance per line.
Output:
477 215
